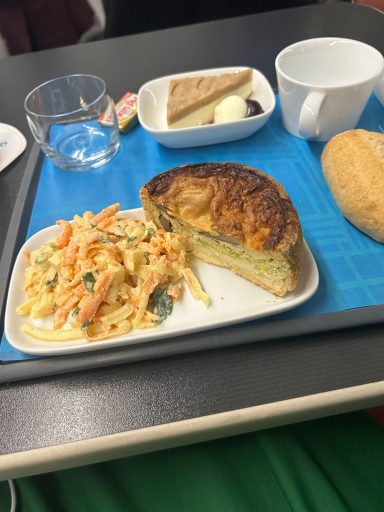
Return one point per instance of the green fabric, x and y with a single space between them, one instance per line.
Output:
330 465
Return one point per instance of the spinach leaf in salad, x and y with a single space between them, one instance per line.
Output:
89 281
75 312
162 304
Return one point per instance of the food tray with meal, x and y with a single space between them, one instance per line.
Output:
308 271
114 279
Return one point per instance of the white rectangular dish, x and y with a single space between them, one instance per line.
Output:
233 300
152 112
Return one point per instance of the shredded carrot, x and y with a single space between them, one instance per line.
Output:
65 234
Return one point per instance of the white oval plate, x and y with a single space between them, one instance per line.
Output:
233 300
12 144
152 112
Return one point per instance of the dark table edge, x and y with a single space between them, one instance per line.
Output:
185 432
19 222
229 336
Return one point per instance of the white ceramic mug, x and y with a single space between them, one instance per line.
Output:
324 85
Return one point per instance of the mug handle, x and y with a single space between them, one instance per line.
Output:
379 89
309 115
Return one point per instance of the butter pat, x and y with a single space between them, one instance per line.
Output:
126 113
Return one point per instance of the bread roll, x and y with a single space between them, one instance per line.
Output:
234 216
353 166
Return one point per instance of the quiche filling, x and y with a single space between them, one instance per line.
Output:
229 252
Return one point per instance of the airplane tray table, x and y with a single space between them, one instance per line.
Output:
87 407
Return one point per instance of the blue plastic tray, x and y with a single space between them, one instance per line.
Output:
340 250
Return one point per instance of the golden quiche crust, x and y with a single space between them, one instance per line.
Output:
230 199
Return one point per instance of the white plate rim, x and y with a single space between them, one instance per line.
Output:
290 301
13 153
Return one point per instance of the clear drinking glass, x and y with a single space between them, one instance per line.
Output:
64 117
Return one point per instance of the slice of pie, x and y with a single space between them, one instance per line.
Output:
233 216
192 100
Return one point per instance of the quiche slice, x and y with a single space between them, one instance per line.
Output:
192 100
233 216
